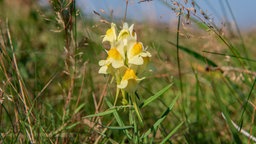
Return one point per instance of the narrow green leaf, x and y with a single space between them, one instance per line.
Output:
233 56
225 113
139 115
159 121
154 97
79 108
154 128
118 119
201 25
73 125
178 52
110 111
171 133
120 128
247 101
195 55
113 141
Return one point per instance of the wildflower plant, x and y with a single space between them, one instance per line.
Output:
126 61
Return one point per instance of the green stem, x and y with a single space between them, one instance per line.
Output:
133 121
124 101
117 93
178 55
136 108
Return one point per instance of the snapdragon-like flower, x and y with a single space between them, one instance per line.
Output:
127 54
114 60
129 81
136 53
110 34
127 34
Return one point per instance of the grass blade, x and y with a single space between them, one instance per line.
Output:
118 119
237 29
159 121
119 128
79 108
72 125
139 115
154 97
246 103
171 133
196 55
222 54
178 52
110 111
226 115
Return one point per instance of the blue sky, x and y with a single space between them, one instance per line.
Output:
243 10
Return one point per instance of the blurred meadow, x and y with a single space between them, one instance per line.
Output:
199 87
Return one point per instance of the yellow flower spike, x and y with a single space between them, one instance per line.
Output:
126 59
110 34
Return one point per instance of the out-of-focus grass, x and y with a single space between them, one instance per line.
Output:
38 42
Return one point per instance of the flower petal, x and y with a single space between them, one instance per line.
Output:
123 84
136 60
117 64
110 34
102 62
103 70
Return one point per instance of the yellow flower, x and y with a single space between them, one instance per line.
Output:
127 34
114 60
110 34
129 81
126 59
136 53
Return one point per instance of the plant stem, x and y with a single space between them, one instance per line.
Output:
178 57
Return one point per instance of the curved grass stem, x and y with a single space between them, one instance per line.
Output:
138 113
